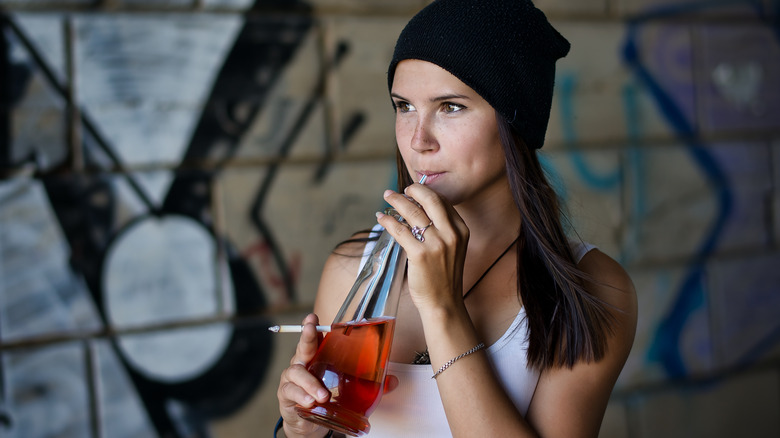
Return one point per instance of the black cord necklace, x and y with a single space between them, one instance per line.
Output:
422 358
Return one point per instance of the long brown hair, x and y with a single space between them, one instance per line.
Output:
566 323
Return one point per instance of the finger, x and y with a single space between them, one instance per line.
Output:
449 224
301 387
292 395
308 342
435 207
399 231
391 382
412 212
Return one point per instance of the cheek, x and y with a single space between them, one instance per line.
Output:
483 149
470 142
489 140
404 131
401 130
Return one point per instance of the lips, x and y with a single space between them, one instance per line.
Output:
432 176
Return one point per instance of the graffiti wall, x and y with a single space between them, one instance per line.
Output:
173 174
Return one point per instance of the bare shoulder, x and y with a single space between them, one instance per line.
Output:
610 283
571 401
338 276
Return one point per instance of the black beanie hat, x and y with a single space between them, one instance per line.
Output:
505 50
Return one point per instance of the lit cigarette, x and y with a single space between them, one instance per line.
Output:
296 328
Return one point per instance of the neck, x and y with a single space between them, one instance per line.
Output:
494 223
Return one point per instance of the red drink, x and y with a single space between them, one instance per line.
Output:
352 363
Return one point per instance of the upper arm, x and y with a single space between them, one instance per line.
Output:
571 402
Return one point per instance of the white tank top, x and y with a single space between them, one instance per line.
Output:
414 408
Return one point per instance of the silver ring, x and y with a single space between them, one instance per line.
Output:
417 232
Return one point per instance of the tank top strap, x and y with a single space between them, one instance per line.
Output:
580 248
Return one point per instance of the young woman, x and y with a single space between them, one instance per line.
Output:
525 328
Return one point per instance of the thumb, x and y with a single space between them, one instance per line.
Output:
308 342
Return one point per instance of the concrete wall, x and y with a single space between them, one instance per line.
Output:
173 174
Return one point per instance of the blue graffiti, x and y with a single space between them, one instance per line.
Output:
665 347
567 84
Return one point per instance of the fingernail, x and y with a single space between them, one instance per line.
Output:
322 394
308 399
388 193
379 214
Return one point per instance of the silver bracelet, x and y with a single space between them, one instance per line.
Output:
479 346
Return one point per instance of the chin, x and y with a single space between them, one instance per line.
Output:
451 198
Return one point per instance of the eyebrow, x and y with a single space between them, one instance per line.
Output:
437 98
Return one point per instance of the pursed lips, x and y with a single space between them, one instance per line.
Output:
431 175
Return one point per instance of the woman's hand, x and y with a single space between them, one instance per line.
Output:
435 271
298 386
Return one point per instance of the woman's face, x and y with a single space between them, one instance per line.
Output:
447 131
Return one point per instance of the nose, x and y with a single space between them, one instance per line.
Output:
423 138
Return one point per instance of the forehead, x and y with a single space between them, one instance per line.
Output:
417 74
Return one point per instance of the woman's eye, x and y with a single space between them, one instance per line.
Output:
450 107
403 107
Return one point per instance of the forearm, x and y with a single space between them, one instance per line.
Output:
474 400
